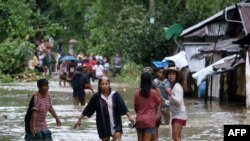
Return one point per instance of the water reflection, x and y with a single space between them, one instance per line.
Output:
205 121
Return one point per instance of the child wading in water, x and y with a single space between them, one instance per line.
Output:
35 119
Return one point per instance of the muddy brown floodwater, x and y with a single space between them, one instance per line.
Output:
205 121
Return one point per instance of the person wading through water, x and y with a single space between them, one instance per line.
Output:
109 107
146 103
176 101
35 119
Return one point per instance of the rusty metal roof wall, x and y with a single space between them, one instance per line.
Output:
213 29
202 23
197 33
192 49
223 45
244 10
216 29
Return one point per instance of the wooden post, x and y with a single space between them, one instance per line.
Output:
211 90
247 73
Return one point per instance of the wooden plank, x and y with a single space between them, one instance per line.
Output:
247 73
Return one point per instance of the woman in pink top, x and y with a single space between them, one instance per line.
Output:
146 101
41 105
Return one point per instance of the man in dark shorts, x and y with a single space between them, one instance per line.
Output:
79 83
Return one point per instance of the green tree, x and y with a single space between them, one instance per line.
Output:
14 55
14 19
101 27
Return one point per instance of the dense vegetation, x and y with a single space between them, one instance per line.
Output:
100 26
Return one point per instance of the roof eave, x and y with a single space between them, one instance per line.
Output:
200 24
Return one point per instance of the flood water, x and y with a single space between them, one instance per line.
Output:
205 121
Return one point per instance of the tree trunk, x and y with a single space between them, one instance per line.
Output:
152 8
152 11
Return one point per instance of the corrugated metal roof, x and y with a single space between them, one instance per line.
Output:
202 23
244 10
217 29
223 45
228 65
198 33
192 49
213 29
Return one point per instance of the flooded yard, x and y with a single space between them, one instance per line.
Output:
205 121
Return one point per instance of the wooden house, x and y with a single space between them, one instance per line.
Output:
215 38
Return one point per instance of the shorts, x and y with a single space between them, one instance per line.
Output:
63 77
147 130
179 121
43 135
79 100
165 117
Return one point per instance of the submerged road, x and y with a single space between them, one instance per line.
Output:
205 121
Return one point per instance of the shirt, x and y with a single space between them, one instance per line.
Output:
78 84
145 109
163 85
110 109
177 107
99 70
42 105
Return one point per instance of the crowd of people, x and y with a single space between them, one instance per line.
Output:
48 59
157 102
94 67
